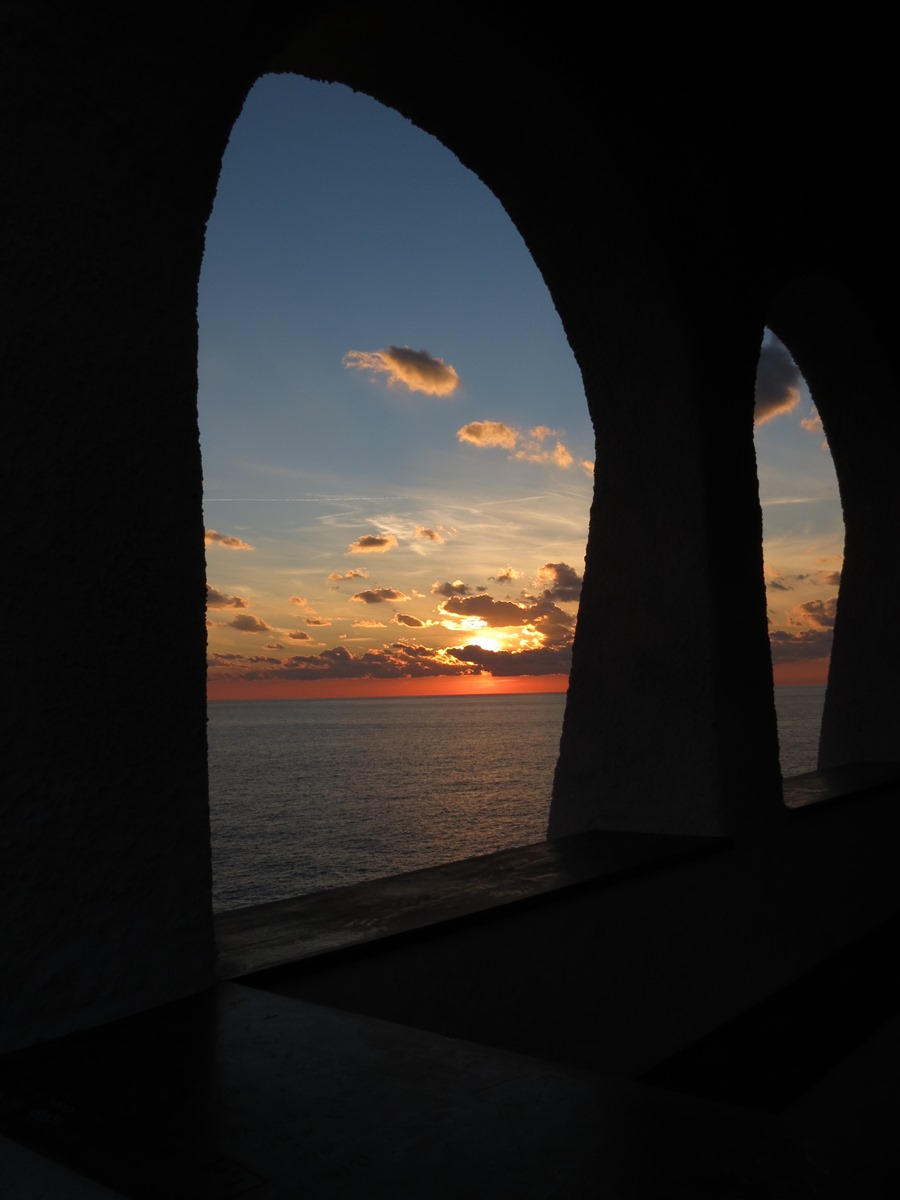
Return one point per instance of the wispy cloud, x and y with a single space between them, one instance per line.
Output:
372 543
211 538
416 370
337 576
323 621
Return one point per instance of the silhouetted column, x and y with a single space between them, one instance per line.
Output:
670 723
841 350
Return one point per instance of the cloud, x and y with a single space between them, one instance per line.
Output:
488 433
530 445
507 575
456 588
778 382
545 660
416 370
812 423
373 543
211 538
542 616
217 599
379 596
273 646
429 535
247 623
587 466
399 660
819 614
299 635
405 619
790 647
357 573
316 621
532 449
369 625
830 578
300 601
565 582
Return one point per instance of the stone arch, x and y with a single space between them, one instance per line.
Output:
526 817
837 343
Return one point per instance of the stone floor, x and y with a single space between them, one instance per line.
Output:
242 1092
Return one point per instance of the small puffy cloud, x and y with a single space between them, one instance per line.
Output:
300 601
273 646
564 581
299 635
357 573
369 625
488 433
373 543
527 447
405 619
379 596
587 466
507 575
448 589
429 535
777 383
247 623
217 599
316 621
416 370
211 538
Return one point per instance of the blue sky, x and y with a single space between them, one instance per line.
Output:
386 393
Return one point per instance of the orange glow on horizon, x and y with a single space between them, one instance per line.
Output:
333 689
806 673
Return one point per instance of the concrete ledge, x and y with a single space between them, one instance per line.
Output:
266 937
838 783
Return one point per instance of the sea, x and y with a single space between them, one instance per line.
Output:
313 794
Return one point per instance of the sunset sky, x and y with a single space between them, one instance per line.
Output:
396 446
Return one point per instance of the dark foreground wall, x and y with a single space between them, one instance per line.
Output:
673 202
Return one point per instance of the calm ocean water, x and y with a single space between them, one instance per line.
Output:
310 794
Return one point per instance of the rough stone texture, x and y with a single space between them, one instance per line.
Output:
675 200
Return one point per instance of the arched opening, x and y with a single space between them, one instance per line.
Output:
398 470
803 544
